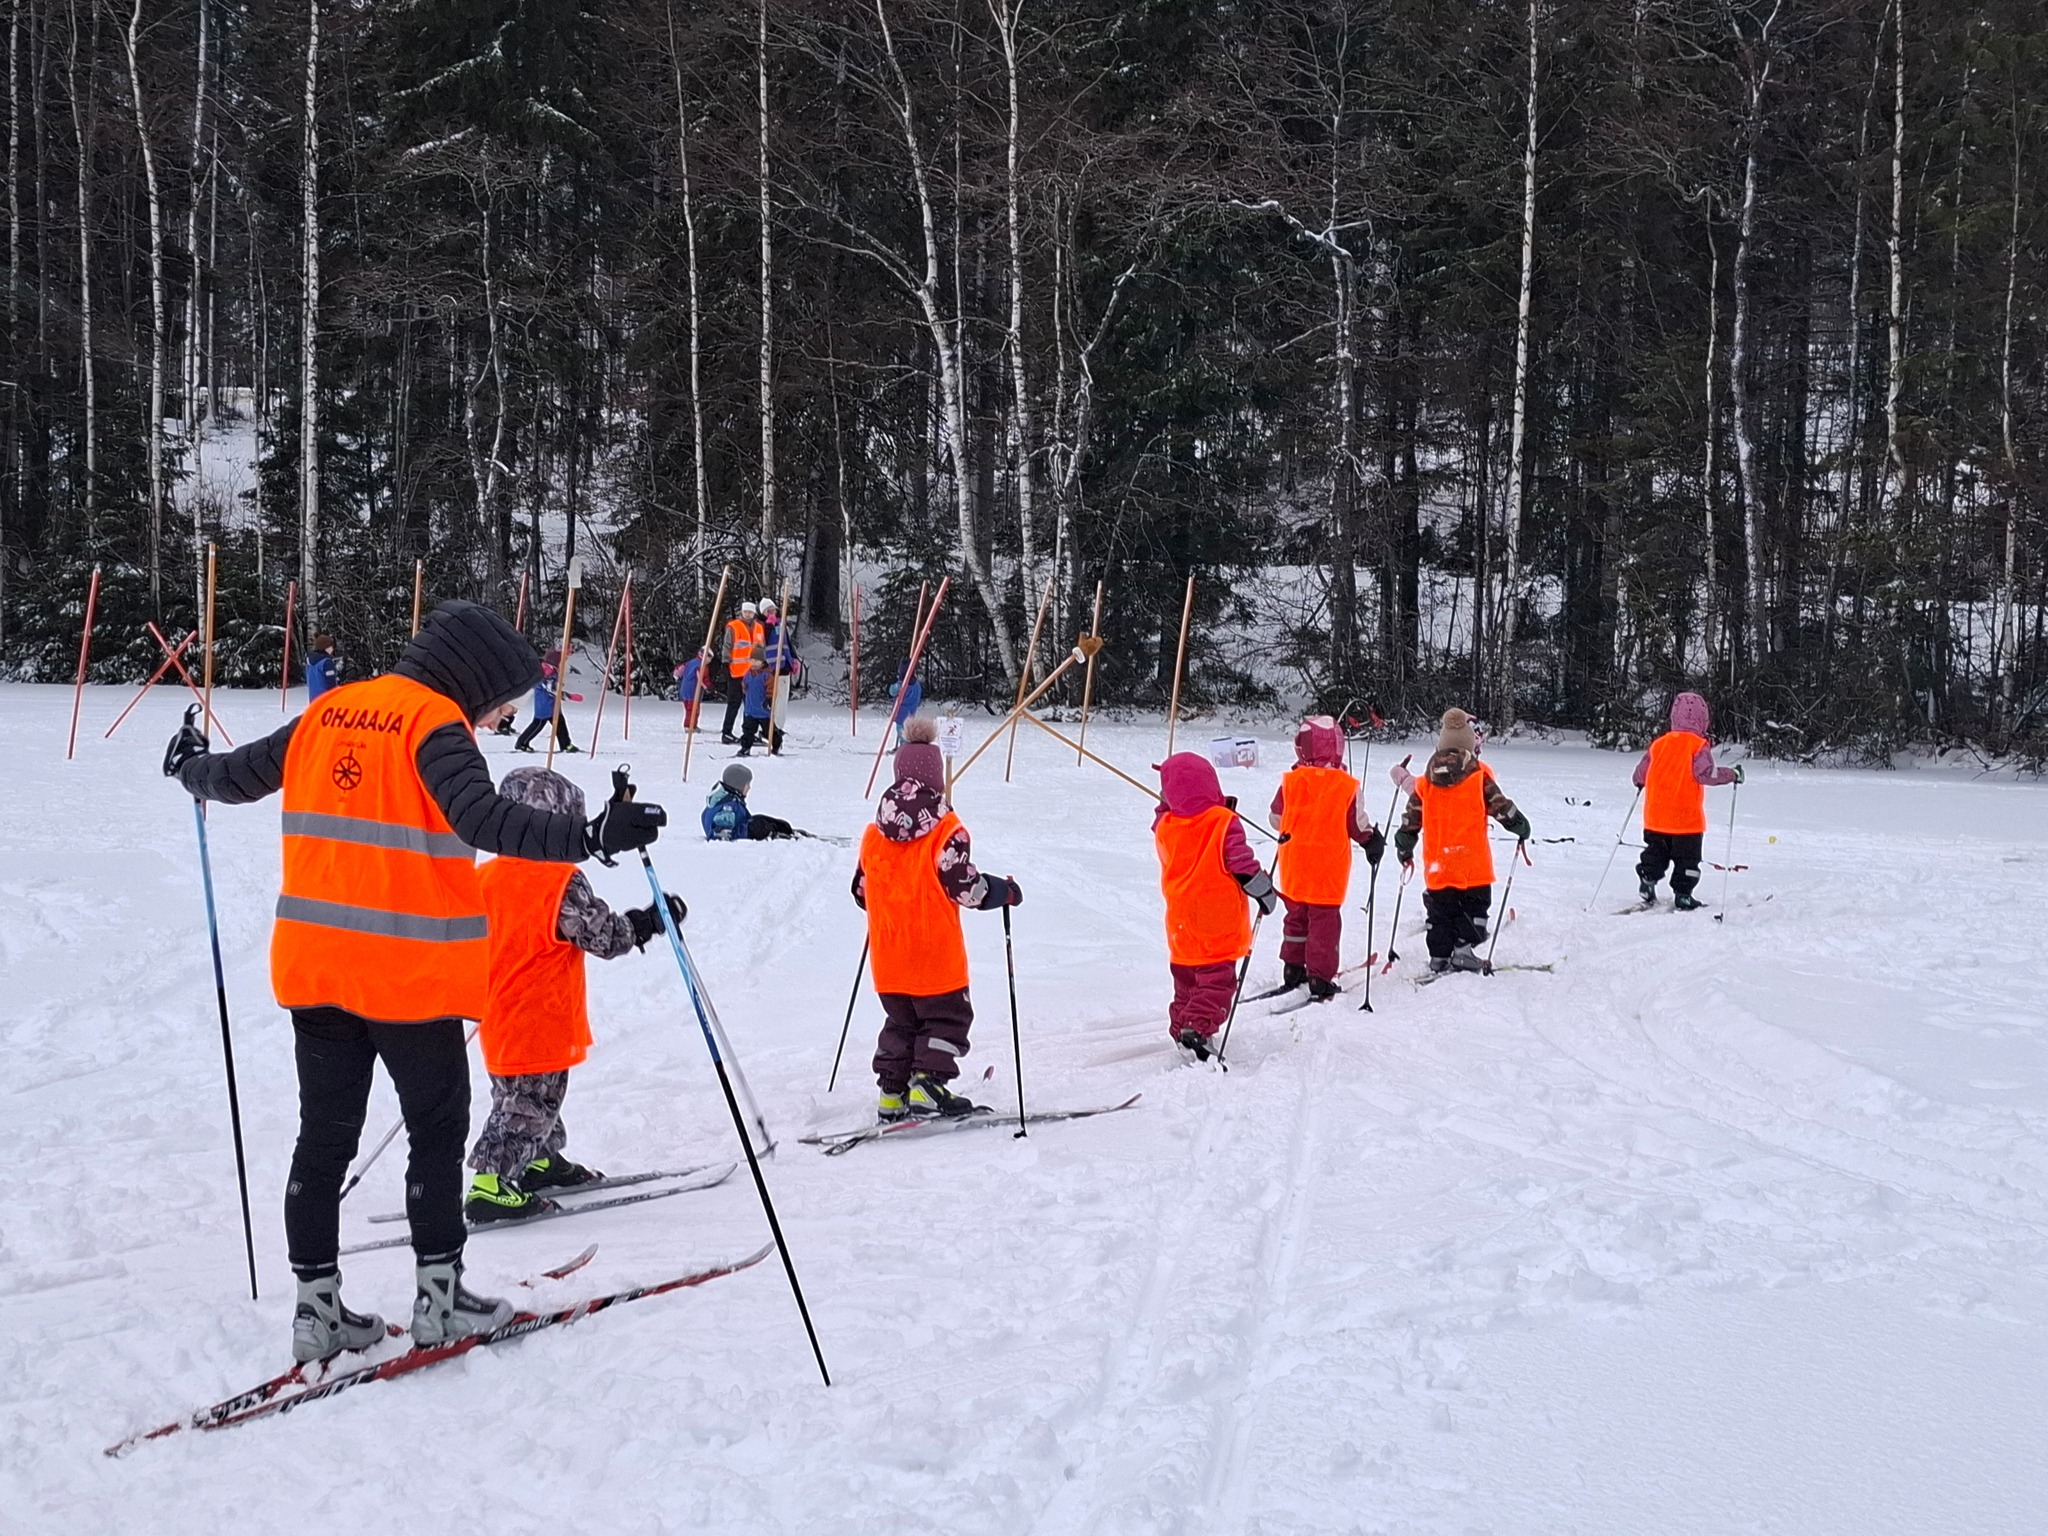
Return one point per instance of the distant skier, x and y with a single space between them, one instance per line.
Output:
1674 776
544 918
908 693
728 818
1316 810
1447 809
692 684
323 669
1208 873
380 947
544 711
742 639
916 872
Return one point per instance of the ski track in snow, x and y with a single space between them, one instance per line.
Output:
1720 1227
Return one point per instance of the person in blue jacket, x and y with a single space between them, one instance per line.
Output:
775 660
908 693
689 677
323 671
727 818
544 711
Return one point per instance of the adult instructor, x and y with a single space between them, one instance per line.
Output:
379 946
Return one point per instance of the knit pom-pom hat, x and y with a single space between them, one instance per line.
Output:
919 757
1456 732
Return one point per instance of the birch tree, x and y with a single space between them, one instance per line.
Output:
1511 551
82 123
1756 56
1007 15
195 179
701 481
770 559
311 596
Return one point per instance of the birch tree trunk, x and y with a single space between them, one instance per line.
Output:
770 560
1758 75
84 126
703 483
156 349
1024 433
311 598
1710 475
194 180
2004 643
1511 551
1895 453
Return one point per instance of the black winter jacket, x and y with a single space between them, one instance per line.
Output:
470 655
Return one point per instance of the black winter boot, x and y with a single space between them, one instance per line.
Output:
1293 975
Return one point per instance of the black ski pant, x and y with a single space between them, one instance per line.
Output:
735 696
1677 851
760 728
535 727
921 1034
1457 915
429 1066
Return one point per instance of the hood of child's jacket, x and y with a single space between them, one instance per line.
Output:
910 808
544 790
1188 784
1451 765
1689 712
471 655
1319 743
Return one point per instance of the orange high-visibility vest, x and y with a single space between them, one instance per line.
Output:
1208 915
380 912
535 1017
914 941
1673 800
1315 827
745 639
1455 855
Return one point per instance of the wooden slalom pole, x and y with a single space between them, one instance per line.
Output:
853 666
206 656
707 658
1074 657
519 610
170 657
562 655
1088 678
419 590
611 652
626 688
1180 661
924 633
284 675
92 603
1024 677
773 689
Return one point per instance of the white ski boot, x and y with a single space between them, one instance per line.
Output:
445 1309
323 1326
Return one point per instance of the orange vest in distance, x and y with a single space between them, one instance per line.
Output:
914 941
536 1018
380 912
1673 800
1315 821
1208 915
746 639
1455 854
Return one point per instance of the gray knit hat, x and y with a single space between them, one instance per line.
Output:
738 778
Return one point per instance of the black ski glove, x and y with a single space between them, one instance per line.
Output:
622 826
1002 892
1404 848
1375 847
647 922
190 742
1260 888
1519 825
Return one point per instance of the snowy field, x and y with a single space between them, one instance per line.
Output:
1720 1227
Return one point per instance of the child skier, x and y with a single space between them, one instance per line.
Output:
1674 776
727 817
544 711
1316 809
916 872
1207 870
691 680
1447 809
543 919
323 671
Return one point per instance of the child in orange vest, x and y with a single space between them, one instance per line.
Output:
1207 871
1674 776
1447 810
916 872
543 919
1316 810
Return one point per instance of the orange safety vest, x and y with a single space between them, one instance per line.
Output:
1315 830
1208 915
1455 855
1673 800
380 912
535 1019
745 638
914 941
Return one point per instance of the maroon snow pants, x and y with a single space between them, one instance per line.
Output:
1201 998
1310 937
921 1034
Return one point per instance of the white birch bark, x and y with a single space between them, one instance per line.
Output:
703 481
2005 642
80 127
156 346
1895 251
1511 554
310 596
194 181
771 560
1757 77
1024 432
1711 469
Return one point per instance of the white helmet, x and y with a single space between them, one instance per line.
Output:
748 608
768 606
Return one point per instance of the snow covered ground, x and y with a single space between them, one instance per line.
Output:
1721 1227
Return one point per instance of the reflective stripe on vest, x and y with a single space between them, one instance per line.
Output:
1315 830
379 913
536 1018
914 941
1208 916
1455 855
1673 800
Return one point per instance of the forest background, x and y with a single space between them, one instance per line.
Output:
1543 356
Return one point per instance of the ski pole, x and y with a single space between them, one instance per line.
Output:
1501 917
1016 1039
706 1023
1401 890
227 1041
1372 891
851 998
1620 833
1728 863
1243 971
389 1136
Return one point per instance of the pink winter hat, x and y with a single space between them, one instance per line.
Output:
1188 784
919 757
1318 743
1689 712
